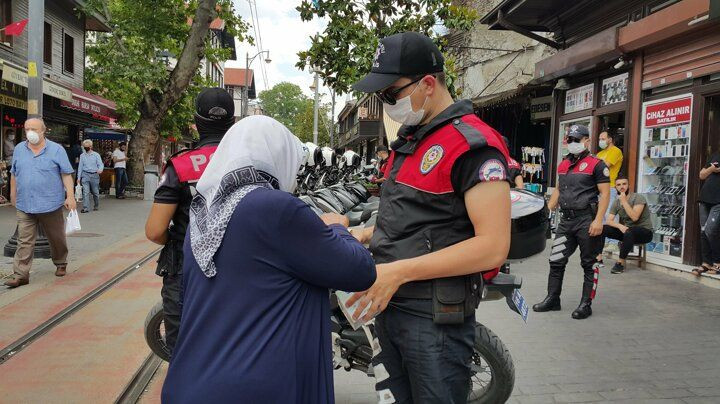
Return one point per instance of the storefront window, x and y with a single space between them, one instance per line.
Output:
565 129
662 172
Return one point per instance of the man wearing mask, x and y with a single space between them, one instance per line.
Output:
581 179
613 158
443 224
120 164
41 184
89 170
170 214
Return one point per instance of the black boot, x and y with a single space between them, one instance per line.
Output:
551 303
583 311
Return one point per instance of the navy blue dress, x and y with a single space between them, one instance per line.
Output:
259 331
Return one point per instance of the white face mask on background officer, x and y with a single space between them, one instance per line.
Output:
576 146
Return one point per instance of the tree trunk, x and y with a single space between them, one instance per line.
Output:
156 104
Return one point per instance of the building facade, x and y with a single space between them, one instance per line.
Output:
360 127
236 79
648 70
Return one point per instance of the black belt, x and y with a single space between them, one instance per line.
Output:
572 213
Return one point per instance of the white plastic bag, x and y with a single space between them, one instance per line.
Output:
72 225
78 192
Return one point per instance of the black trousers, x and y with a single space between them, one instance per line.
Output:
570 234
710 232
422 362
634 235
170 268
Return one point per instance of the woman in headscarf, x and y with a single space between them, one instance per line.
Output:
258 264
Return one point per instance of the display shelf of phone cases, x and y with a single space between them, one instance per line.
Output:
663 181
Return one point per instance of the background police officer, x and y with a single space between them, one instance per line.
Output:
170 213
581 178
444 217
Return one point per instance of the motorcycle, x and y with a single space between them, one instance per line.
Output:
492 369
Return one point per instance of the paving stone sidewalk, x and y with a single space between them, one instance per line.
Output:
652 338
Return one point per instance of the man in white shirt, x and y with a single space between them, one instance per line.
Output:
120 163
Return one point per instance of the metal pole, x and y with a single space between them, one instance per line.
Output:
332 120
36 25
315 112
247 84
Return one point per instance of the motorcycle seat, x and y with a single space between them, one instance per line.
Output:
357 336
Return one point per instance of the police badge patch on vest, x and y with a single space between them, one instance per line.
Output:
606 172
431 158
493 170
583 166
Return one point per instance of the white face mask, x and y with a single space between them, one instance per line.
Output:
402 111
603 144
33 137
576 147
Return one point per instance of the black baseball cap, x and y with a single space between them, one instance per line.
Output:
407 54
579 132
215 104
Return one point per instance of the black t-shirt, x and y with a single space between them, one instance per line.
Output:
710 191
171 191
476 166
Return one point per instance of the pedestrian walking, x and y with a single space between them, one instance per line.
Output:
41 184
170 213
582 178
634 225
709 204
120 164
89 170
258 266
443 225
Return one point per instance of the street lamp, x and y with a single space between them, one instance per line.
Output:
248 61
316 88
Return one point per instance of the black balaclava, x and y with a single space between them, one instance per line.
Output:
214 114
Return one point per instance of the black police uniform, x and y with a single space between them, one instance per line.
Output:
172 191
578 179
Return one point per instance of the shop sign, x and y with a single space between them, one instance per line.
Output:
20 77
541 108
86 106
13 102
668 113
614 89
578 99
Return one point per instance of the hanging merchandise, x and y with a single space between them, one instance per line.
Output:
533 160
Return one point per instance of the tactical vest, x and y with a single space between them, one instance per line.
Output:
577 183
190 164
419 210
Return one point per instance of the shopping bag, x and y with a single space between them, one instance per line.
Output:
78 192
72 225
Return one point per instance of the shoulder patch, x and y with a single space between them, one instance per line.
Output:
606 172
431 158
493 170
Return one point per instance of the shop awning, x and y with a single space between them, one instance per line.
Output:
92 104
99 134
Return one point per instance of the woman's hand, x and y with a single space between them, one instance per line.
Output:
377 298
334 218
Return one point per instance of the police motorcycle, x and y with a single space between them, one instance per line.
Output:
493 372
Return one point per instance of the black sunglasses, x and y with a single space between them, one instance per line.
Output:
572 140
389 95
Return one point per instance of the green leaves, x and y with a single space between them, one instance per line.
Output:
344 51
287 103
136 58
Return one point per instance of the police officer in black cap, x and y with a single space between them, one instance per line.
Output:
582 178
443 225
170 214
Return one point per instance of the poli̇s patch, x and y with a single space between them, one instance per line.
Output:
493 170
431 158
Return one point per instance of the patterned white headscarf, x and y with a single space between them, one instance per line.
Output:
256 152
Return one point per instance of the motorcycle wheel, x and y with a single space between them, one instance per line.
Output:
155 332
493 372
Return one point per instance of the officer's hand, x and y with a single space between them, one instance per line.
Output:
378 296
596 228
334 218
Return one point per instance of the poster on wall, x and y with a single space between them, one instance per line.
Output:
578 99
614 89
662 173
